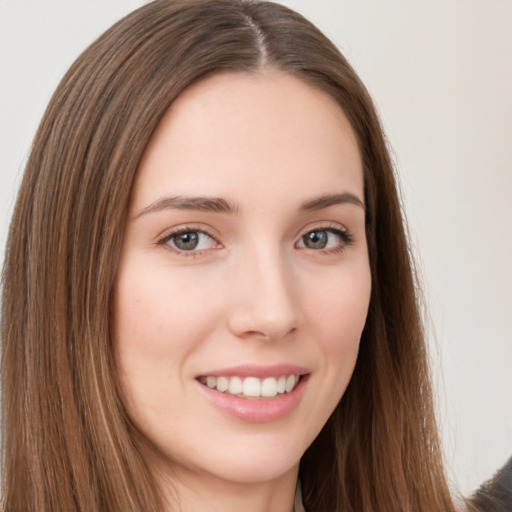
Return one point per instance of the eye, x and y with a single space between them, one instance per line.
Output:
188 240
325 238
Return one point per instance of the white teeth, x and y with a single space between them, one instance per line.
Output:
252 386
269 387
235 385
290 383
281 384
222 384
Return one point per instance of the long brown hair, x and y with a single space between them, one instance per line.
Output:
68 444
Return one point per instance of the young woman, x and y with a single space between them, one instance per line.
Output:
208 294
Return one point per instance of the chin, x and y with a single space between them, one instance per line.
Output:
250 461
255 469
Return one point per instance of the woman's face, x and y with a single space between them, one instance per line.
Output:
244 266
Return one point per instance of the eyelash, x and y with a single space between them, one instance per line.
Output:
163 241
344 234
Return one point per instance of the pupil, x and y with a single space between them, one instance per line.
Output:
316 240
187 241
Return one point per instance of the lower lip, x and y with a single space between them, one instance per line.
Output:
259 410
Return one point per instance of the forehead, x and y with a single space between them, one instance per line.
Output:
239 134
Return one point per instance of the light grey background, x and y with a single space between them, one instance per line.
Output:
441 75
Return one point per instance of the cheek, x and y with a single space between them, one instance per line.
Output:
338 311
159 321
158 313
157 325
337 317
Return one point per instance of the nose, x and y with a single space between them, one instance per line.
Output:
265 301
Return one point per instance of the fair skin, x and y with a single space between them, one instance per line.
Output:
265 276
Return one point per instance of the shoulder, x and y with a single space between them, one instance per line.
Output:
496 494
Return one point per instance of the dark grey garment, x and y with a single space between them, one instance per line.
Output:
496 494
299 507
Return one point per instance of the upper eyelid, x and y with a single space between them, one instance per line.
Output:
168 233
332 229
322 225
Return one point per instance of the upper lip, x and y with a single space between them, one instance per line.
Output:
259 371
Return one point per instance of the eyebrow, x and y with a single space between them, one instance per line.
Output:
203 204
322 202
221 205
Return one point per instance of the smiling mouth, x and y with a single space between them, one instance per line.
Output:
252 387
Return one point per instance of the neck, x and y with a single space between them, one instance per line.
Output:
191 492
